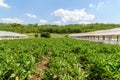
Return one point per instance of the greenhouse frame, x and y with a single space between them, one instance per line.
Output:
111 36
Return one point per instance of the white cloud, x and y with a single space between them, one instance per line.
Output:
12 20
42 21
84 22
100 4
91 5
75 15
97 6
31 15
3 4
57 22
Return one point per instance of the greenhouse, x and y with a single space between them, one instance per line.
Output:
111 36
7 34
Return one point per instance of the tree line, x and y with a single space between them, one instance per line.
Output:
71 28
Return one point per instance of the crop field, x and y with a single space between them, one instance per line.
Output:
58 59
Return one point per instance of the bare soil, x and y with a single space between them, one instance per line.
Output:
42 65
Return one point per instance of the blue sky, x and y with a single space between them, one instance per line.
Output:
59 11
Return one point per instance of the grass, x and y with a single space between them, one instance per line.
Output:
53 35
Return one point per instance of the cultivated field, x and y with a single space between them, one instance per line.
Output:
58 59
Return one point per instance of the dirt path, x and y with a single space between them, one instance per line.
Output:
41 68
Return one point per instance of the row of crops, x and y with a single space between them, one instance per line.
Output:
69 59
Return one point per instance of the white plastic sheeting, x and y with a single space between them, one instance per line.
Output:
111 36
7 34
115 31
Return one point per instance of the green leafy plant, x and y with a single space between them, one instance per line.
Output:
69 59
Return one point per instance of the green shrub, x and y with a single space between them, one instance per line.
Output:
66 36
36 35
45 34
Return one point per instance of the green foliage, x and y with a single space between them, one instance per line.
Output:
69 59
72 28
36 35
45 34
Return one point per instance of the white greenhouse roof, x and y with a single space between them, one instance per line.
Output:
115 31
10 34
